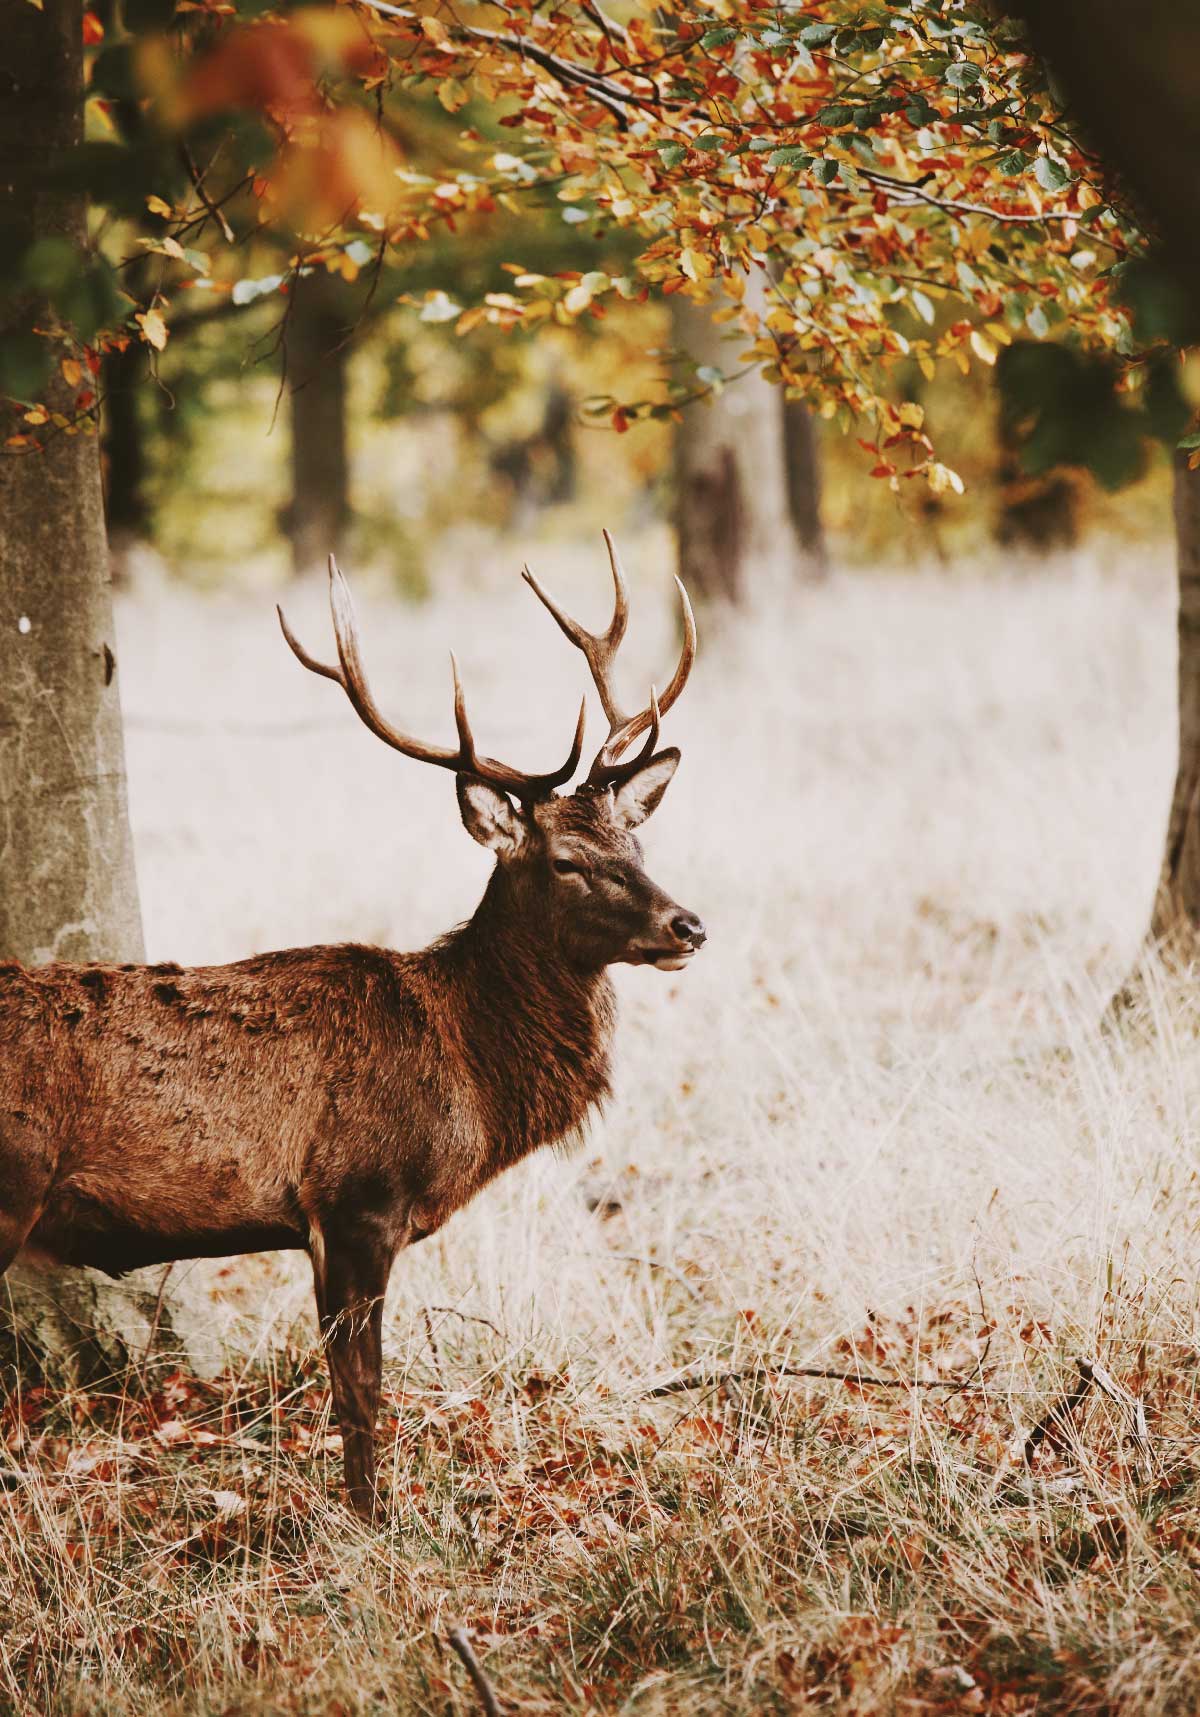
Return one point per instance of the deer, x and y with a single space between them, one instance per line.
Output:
346 1100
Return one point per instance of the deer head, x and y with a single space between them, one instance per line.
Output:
572 862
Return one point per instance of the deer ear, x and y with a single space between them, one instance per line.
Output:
637 798
490 817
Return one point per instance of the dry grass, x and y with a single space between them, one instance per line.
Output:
875 1129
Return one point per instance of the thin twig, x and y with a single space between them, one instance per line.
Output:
467 1317
1058 1419
197 179
461 1644
1130 1405
823 1373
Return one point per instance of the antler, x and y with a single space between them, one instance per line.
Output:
465 760
600 649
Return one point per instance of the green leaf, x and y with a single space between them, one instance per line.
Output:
26 364
717 38
709 141
1050 174
790 157
671 154
817 35
825 171
1037 322
113 74
963 74
837 113
1014 164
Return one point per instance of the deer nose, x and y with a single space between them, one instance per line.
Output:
686 927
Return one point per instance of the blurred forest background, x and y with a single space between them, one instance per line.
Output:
261 446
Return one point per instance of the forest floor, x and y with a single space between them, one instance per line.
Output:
876 1132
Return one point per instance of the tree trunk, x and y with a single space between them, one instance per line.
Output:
67 884
802 453
732 521
1177 907
316 377
126 514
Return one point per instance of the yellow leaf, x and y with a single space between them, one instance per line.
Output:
158 207
37 414
173 248
72 371
577 300
927 366
982 347
911 415
37 3
154 329
435 31
695 264
452 94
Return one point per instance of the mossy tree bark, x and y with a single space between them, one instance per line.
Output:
67 884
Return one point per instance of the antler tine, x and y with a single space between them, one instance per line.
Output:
350 674
302 655
612 774
599 650
598 647
620 619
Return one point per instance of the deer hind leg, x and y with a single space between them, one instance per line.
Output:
350 1270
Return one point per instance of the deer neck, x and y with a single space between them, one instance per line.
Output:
536 1030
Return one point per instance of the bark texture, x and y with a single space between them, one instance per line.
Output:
1177 906
316 377
67 884
732 519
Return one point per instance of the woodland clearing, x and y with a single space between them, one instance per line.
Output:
877 1129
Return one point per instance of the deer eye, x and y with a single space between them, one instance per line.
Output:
565 867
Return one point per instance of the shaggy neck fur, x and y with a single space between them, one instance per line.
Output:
538 1030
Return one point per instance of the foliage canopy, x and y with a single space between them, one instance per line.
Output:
901 180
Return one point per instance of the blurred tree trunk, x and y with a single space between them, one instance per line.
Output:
126 513
67 884
316 352
802 453
732 517
1177 906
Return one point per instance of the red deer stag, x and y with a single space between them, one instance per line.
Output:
346 1100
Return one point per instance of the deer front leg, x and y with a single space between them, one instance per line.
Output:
350 1270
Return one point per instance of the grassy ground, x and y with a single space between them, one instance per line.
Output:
875 1131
